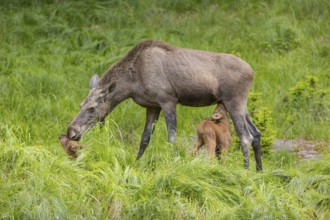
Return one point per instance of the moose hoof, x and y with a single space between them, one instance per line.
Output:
171 136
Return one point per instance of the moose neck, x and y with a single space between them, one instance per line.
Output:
123 89
125 74
124 70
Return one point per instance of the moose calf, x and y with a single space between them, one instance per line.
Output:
214 132
70 147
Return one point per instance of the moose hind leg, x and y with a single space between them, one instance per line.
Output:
256 142
244 135
152 116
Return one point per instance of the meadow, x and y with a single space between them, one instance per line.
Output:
49 49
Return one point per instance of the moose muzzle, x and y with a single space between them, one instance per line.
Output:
73 133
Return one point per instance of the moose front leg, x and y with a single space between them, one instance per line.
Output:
170 118
151 118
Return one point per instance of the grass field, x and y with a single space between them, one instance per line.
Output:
49 50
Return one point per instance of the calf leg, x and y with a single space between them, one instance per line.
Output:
210 142
256 142
211 146
218 151
198 145
221 152
152 116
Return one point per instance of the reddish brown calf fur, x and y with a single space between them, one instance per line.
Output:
214 133
70 147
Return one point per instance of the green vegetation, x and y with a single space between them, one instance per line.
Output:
49 50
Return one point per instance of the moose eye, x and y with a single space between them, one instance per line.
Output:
91 109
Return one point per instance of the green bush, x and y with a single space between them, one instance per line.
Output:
306 100
262 118
307 93
282 41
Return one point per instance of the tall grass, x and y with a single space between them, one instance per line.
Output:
106 182
49 50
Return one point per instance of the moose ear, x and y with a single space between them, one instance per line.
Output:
108 89
94 81
112 87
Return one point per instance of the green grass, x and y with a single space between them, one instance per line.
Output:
48 52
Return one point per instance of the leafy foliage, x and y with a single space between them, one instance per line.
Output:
262 118
307 99
307 92
284 41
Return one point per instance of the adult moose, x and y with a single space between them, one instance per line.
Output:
158 76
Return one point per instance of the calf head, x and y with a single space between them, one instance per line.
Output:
92 110
219 113
70 147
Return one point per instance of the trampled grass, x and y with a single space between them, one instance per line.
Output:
49 50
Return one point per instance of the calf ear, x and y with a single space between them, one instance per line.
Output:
217 116
94 81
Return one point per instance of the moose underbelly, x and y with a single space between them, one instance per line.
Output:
194 87
198 99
